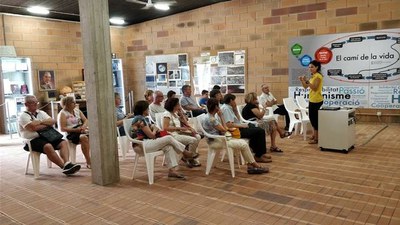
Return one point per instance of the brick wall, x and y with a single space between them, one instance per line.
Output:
51 45
263 28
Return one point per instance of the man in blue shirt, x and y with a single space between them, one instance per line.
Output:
188 103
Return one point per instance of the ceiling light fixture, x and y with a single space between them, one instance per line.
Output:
38 10
161 6
117 21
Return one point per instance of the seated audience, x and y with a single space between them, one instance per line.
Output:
268 100
188 103
120 114
72 121
157 105
204 98
181 131
214 125
251 111
143 130
256 135
33 120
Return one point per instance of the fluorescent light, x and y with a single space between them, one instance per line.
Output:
117 21
161 6
38 10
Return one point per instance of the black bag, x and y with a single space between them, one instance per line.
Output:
74 136
50 134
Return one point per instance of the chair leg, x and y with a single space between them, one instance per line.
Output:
27 164
124 145
49 163
72 152
231 161
223 155
35 163
210 160
150 167
304 128
135 165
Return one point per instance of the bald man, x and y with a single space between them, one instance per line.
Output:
267 99
156 106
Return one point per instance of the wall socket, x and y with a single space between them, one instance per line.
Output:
378 113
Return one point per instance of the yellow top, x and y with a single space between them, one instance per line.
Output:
316 96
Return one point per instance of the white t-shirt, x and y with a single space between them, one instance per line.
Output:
173 119
155 109
263 98
25 118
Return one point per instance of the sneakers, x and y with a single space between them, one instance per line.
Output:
70 168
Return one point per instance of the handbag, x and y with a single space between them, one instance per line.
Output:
50 134
235 133
162 133
74 137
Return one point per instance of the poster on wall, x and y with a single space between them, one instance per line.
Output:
226 69
360 69
167 72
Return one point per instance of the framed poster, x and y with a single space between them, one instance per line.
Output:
46 80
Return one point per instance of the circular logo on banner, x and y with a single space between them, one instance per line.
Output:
323 55
305 60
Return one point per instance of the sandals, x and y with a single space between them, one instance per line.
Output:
276 149
313 141
88 166
286 134
262 160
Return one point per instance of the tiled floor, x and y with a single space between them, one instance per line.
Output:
305 186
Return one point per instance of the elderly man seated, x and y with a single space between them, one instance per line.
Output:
188 103
33 120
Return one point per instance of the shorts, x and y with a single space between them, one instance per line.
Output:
39 143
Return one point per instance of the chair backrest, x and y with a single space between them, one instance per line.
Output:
290 105
160 120
200 120
301 102
127 127
240 109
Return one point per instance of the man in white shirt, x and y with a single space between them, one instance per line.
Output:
156 106
33 120
267 99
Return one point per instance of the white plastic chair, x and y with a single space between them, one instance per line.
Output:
33 156
301 102
211 151
149 156
294 114
240 108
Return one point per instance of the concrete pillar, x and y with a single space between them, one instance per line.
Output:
99 90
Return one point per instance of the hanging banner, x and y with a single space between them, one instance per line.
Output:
360 69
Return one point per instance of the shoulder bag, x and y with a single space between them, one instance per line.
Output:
50 134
